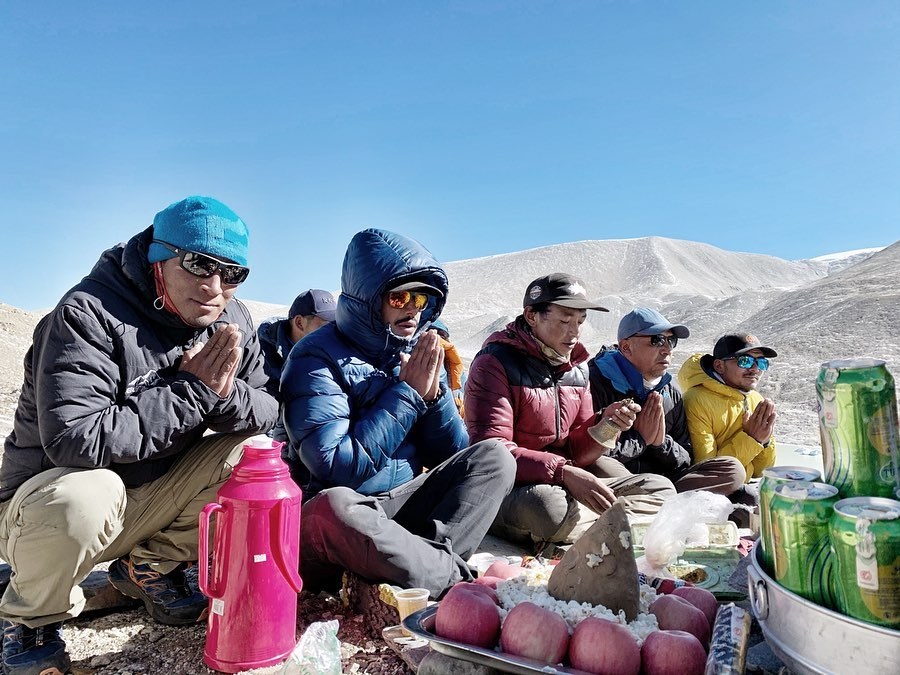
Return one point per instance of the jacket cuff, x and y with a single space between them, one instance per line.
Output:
558 471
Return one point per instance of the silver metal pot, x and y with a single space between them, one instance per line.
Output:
811 639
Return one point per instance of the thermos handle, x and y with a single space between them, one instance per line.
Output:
203 562
290 572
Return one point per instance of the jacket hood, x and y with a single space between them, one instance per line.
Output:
517 334
692 374
376 261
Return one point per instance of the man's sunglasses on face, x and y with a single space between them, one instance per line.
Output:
204 266
746 361
400 299
660 340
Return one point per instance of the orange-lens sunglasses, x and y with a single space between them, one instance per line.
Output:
400 299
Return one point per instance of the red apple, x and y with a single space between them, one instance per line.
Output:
490 582
475 587
604 647
466 614
535 633
672 652
700 598
503 570
675 613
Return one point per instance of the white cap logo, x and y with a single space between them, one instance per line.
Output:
535 292
577 289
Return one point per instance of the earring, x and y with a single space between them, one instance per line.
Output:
159 303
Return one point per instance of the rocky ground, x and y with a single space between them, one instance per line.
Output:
129 642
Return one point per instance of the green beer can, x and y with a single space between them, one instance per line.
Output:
771 478
858 426
801 549
865 536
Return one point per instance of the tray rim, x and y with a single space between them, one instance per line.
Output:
420 623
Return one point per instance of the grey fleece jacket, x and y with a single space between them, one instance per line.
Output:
102 387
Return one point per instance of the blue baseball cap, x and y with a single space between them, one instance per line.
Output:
646 321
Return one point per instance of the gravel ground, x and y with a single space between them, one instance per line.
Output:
130 643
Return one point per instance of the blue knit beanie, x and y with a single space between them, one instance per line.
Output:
200 224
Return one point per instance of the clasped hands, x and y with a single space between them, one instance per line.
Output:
215 362
421 368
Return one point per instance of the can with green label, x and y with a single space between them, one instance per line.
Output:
771 478
858 426
865 536
801 549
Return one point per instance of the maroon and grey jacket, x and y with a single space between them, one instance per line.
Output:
541 411
103 387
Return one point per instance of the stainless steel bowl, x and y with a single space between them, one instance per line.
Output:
811 639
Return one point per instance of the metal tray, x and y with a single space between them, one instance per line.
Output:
421 624
812 640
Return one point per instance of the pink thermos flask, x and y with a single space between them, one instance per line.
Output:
254 580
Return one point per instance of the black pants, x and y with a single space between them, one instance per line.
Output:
417 535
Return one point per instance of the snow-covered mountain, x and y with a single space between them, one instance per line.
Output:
689 282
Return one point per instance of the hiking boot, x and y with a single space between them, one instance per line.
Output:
34 651
168 598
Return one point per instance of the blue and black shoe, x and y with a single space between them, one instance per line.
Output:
34 651
169 598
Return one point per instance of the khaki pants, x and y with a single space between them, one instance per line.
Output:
548 513
62 522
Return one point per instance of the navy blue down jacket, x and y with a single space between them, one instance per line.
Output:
350 419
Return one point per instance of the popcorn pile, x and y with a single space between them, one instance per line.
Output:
532 587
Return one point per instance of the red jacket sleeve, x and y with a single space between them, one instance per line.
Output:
490 413
584 449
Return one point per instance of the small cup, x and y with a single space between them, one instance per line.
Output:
410 600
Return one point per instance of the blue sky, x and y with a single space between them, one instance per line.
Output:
476 127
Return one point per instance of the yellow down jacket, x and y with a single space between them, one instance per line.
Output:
715 416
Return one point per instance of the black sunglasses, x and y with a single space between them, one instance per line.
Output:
660 340
202 265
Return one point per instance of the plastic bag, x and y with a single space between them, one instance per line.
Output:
318 652
680 524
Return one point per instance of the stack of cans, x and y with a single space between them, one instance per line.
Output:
837 542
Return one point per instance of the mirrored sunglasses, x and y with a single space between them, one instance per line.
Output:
400 299
660 340
746 361
204 266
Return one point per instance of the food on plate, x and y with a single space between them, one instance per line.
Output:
481 588
672 652
535 633
490 582
693 574
700 598
503 570
604 647
467 614
600 567
675 613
